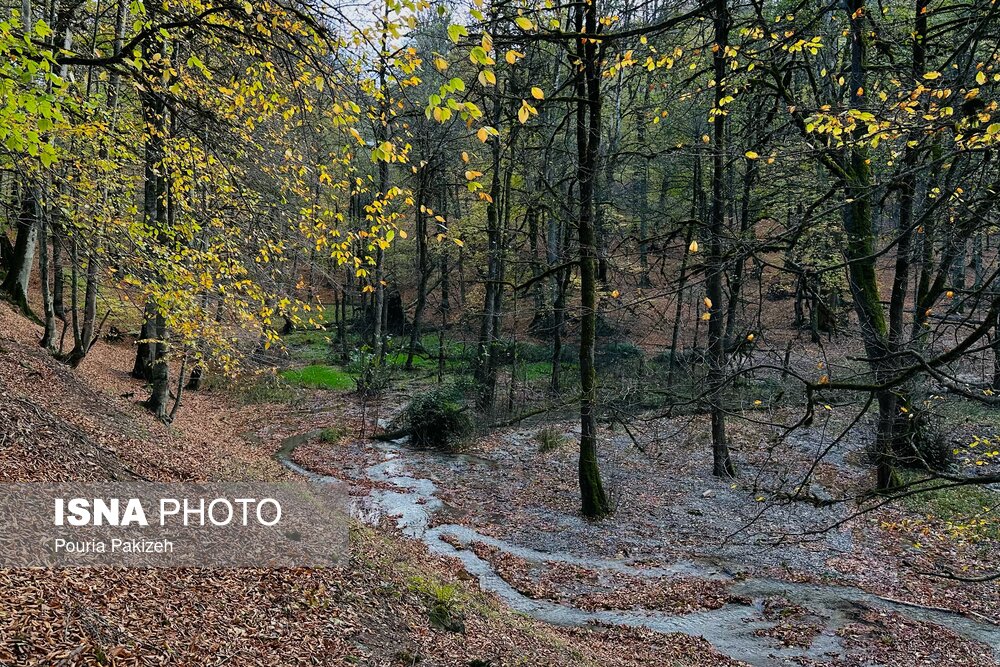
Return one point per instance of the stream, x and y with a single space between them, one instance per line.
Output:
413 503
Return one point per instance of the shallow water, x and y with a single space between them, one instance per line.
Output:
413 503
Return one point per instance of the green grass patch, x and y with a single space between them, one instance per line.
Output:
972 510
536 371
399 359
453 349
960 411
309 346
444 602
319 376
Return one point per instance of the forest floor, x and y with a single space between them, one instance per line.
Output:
63 425
689 570
766 579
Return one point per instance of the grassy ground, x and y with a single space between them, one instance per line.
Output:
319 376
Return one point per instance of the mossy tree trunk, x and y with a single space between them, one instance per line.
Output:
594 501
860 254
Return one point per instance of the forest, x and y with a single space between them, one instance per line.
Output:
639 332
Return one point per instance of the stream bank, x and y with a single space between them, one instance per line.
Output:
742 627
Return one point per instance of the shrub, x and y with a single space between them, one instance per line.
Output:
924 446
332 433
617 355
550 439
371 375
437 420
919 442
444 608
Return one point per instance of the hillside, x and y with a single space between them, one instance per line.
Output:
61 425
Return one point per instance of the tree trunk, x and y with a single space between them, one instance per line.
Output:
423 266
48 337
594 502
15 284
155 206
486 362
58 271
722 464
142 368
159 397
860 254
197 377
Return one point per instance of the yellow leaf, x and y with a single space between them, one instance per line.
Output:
930 76
706 316
524 23
693 247
981 78
537 93
708 302
523 114
487 78
752 155
482 134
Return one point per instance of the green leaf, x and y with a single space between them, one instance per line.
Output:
42 29
457 32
